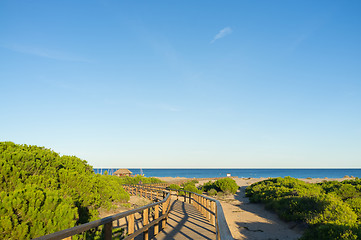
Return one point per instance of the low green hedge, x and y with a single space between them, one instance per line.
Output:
331 209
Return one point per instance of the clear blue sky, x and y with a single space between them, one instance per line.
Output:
231 84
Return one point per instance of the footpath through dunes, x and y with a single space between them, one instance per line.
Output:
252 221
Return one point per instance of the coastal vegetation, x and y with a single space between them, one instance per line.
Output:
42 192
331 209
223 185
140 179
187 186
220 187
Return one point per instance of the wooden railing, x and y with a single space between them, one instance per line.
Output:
209 207
159 213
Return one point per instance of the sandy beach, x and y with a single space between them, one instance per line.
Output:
250 220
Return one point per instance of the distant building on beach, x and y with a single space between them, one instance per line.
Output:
122 172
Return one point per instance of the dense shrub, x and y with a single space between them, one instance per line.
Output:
226 185
190 182
276 188
192 188
331 209
139 179
43 192
355 205
332 231
31 211
174 186
208 186
212 192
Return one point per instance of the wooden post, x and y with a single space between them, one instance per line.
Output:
164 211
168 204
190 197
203 206
208 210
145 222
130 224
197 202
108 231
212 210
200 204
156 216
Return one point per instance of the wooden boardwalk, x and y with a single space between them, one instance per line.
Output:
186 222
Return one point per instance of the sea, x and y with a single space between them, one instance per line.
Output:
238 172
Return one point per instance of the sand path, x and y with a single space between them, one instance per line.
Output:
251 221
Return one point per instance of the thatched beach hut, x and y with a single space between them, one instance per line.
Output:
122 172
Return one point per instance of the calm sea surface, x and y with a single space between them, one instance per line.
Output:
255 173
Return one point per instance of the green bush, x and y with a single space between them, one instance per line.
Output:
331 209
174 186
332 231
220 194
31 211
208 186
276 188
191 182
192 188
43 192
139 179
227 185
212 192
355 205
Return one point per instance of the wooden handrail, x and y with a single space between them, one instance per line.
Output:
209 207
107 221
212 211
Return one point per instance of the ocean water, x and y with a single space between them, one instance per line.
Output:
254 173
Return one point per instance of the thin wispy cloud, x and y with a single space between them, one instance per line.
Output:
159 106
224 32
45 53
